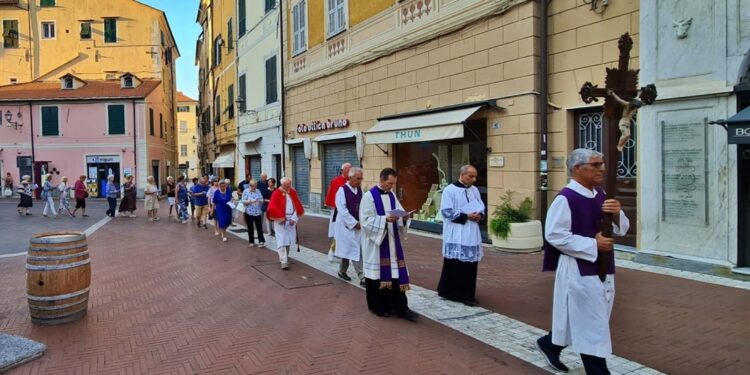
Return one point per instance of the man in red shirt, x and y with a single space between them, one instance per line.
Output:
336 183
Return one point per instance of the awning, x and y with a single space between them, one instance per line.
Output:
430 126
224 160
738 127
358 139
251 139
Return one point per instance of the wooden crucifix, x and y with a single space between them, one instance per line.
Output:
620 106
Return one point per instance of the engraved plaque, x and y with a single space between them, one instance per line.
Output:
684 173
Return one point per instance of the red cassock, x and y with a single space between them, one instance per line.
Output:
336 183
277 205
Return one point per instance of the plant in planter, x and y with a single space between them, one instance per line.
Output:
512 227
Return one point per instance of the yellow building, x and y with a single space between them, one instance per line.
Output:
218 84
426 86
95 40
187 136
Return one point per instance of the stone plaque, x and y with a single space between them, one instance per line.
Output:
684 173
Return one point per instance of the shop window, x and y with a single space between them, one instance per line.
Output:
300 27
85 30
110 30
425 168
48 30
10 34
116 119
50 124
336 16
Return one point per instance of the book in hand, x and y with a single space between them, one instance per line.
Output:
400 213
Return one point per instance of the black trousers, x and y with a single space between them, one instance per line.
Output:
381 301
592 364
112 206
257 222
458 281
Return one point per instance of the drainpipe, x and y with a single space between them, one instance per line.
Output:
33 151
543 118
135 143
281 80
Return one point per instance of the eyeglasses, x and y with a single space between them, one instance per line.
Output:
595 165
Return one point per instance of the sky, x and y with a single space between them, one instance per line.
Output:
181 15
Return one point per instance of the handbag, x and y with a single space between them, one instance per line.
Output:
240 207
7 192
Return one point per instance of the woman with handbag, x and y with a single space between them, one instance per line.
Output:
252 199
127 204
151 204
64 195
24 191
80 193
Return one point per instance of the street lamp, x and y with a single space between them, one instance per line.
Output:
9 120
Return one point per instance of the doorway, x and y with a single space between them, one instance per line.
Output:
743 191
155 172
103 170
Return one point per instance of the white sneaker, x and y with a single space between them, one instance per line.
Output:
224 239
251 245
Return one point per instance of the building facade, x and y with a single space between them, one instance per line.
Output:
259 89
187 136
42 130
697 206
44 41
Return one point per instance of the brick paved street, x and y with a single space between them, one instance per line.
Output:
674 325
171 299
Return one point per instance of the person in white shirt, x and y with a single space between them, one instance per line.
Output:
347 229
582 302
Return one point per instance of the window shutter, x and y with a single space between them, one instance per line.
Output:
50 125
161 126
230 101
116 115
271 80
340 15
151 120
110 30
242 93
331 16
302 25
241 17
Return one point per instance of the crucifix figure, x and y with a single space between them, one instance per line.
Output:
620 106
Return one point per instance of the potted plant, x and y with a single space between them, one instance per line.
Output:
511 227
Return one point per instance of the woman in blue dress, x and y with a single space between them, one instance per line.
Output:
222 211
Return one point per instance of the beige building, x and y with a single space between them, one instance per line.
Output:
427 86
187 136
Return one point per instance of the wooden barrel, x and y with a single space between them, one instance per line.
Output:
58 276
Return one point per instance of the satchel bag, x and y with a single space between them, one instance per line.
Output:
7 192
240 207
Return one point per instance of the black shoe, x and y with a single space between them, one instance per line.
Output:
344 276
409 315
550 355
362 282
382 314
471 302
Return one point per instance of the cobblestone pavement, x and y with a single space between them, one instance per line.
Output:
169 298
672 324
16 230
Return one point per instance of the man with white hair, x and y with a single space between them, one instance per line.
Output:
347 233
336 183
285 209
582 303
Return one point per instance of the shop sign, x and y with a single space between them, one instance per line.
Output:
408 135
316 126
739 134
102 159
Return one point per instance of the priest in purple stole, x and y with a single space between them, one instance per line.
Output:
386 275
347 229
582 303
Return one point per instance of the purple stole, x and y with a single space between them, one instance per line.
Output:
586 217
353 200
386 281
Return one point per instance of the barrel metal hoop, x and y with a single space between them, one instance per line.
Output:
59 297
31 267
31 248
58 257
45 238
58 307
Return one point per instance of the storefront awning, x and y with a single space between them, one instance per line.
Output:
430 126
251 139
224 160
738 127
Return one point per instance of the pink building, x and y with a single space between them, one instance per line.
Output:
92 128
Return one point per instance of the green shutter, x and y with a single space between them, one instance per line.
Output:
86 30
151 121
116 119
110 30
50 125
10 34
47 3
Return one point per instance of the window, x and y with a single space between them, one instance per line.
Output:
47 3
217 110
270 4
163 41
151 120
161 126
230 35
183 150
85 30
48 30
50 125
230 101
116 119
299 26
241 18
336 16
183 108
10 33
271 95
183 126
127 82
68 83
217 50
242 93
110 30
13 80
